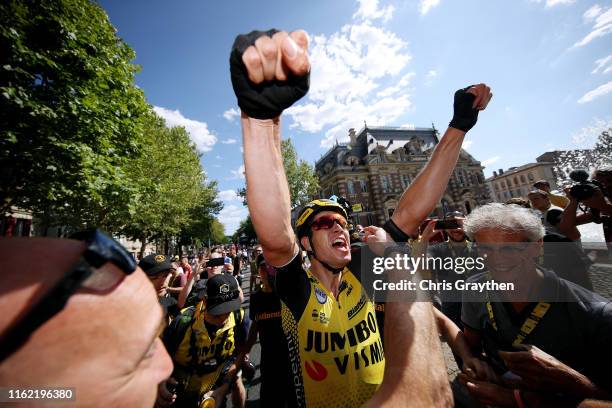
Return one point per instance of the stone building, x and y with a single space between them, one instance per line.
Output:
549 166
379 163
518 181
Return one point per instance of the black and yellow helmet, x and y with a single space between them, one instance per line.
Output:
310 210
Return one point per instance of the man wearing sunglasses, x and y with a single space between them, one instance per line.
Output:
270 71
548 338
80 314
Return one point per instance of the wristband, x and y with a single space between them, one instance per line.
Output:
396 233
464 115
518 398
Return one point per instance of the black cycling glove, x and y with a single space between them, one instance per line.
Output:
268 99
464 116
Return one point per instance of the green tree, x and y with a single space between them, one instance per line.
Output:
301 177
217 235
245 229
599 156
202 224
172 186
70 113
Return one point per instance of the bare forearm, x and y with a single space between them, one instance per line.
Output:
568 217
453 335
424 193
267 189
414 367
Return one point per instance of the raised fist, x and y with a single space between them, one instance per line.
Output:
270 71
468 101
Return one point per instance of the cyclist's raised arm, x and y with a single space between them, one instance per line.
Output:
270 71
424 193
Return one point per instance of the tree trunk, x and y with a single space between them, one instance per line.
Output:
143 245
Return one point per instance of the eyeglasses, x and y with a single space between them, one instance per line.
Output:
85 273
328 221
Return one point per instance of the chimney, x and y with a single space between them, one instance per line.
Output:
494 173
501 171
353 137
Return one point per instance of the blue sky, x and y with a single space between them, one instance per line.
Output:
393 63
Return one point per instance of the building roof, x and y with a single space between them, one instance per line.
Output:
368 138
514 170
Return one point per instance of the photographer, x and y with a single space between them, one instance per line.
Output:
594 197
555 199
551 216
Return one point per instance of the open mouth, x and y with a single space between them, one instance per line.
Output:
340 243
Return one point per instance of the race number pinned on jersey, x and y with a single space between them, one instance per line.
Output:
321 295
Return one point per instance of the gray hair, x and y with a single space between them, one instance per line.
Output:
509 218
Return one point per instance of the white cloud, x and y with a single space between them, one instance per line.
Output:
237 174
467 144
229 141
596 93
348 67
592 13
231 215
231 114
587 136
229 195
602 26
603 64
410 126
203 138
430 77
426 5
218 157
552 3
490 161
368 10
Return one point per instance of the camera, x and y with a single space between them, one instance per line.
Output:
583 189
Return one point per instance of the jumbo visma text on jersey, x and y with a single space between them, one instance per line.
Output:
336 351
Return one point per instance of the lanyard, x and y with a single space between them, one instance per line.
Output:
529 324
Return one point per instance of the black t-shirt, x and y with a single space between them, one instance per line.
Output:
576 332
170 306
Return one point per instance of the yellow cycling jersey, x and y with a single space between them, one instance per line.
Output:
336 356
200 359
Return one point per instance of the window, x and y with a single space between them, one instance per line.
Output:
384 182
364 186
516 183
523 179
530 177
405 180
350 187
496 186
509 181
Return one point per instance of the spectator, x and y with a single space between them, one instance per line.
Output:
456 246
552 216
159 269
555 199
204 342
543 339
67 323
265 315
253 267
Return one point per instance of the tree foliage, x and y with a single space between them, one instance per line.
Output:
245 230
600 156
301 177
70 113
173 195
